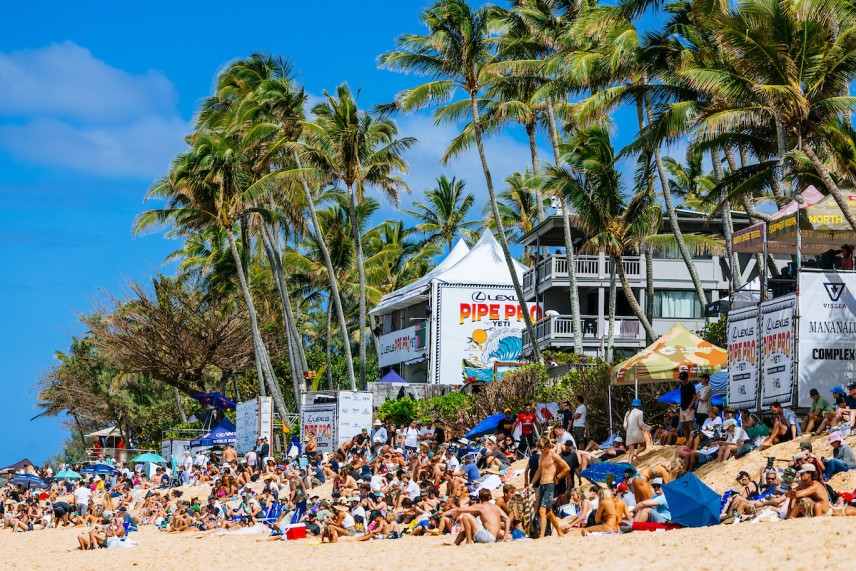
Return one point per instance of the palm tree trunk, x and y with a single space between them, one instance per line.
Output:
334 286
361 270
533 151
260 374
782 150
649 286
79 429
569 242
258 342
618 262
725 214
840 197
503 241
329 345
610 331
181 414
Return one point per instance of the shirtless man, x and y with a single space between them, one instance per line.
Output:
229 454
551 470
492 526
810 497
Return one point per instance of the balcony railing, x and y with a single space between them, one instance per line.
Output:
555 268
558 330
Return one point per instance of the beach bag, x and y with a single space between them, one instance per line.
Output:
758 431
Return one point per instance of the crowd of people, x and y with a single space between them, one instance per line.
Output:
422 479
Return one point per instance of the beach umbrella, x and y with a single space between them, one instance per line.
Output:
691 502
599 472
149 457
28 481
100 469
67 475
487 426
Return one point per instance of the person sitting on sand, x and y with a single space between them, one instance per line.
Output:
785 426
340 524
735 439
667 434
583 503
710 427
655 509
610 511
840 420
491 526
842 459
818 411
810 498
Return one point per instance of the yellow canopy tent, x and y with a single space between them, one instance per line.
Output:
677 350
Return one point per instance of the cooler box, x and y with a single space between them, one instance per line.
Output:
295 531
651 526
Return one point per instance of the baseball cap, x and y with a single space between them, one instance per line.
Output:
800 456
507 410
657 482
806 468
789 475
729 423
837 389
805 445
813 392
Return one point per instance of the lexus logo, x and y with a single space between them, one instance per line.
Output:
834 291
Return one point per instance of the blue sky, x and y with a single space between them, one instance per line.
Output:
94 101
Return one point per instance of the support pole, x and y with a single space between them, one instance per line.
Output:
609 392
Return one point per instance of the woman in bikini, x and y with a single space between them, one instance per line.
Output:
607 513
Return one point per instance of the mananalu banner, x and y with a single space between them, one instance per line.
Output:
355 413
320 419
827 341
742 332
476 327
777 350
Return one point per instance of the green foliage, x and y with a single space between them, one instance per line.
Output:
445 407
714 332
399 411
175 430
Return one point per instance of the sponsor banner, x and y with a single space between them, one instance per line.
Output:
827 328
742 332
475 327
406 345
321 420
253 420
777 350
355 413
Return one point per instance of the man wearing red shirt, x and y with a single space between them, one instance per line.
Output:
527 429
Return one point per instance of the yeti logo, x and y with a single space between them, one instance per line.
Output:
834 291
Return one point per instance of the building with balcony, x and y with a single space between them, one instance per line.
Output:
547 284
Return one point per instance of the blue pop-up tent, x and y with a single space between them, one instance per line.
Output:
487 426
223 433
718 383
215 400
392 377
691 502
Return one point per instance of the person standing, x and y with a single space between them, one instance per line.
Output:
567 416
527 429
635 426
688 399
263 452
505 425
579 422
411 437
704 398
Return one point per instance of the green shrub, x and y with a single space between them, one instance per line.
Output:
400 411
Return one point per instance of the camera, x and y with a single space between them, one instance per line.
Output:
770 460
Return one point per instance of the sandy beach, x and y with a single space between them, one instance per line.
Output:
745 546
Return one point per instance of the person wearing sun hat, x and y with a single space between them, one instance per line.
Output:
810 497
735 439
842 459
635 428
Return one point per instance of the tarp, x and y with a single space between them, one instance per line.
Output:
601 471
751 238
718 383
392 377
691 502
109 432
102 469
13 468
677 350
487 426
223 433
822 224
216 400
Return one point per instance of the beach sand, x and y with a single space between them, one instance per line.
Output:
794 545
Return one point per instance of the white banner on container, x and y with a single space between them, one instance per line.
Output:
355 413
777 350
827 341
404 346
475 327
742 333
253 420
320 419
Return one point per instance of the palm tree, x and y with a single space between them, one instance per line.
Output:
455 54
517 204
350 146
443 215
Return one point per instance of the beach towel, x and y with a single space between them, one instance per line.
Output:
599 472
491 483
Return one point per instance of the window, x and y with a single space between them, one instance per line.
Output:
677 305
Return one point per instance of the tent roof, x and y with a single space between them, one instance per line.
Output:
418 290
822 224
678 349
484 264
110 431
16 466
223 433
751 238
392 377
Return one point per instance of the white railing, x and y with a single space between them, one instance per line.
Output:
559 329
555 267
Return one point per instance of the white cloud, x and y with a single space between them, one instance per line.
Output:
62 107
